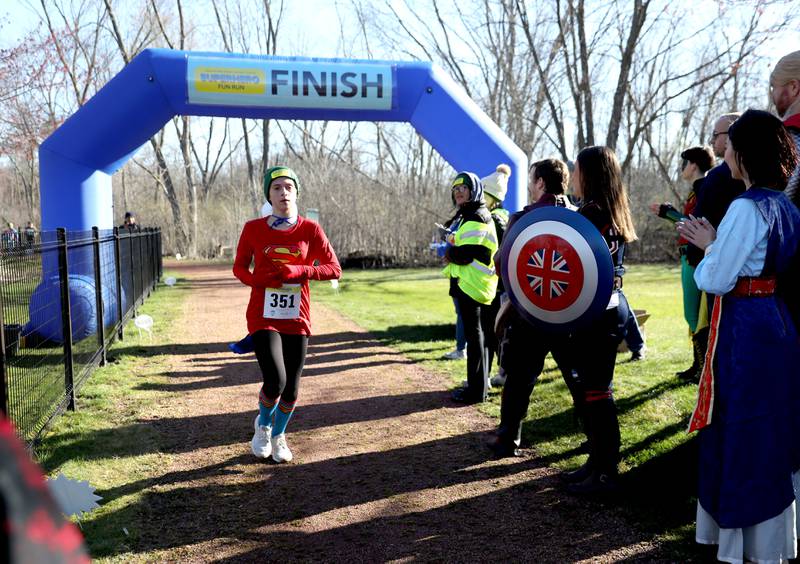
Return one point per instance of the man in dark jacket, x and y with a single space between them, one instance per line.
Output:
718 189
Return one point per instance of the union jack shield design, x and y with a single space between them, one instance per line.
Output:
557 269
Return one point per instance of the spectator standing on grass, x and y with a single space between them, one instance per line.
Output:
748 403
697 161
494 188
597 183
716 193
526 347
286 251
130 222
30 234
469 262
9 236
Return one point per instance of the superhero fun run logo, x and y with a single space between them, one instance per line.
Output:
290 84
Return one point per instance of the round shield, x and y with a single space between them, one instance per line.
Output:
557 269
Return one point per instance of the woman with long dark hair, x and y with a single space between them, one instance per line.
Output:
748 406
597 183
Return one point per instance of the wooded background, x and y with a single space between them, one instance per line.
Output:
644 77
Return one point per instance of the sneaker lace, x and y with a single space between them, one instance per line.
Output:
263 432
280 442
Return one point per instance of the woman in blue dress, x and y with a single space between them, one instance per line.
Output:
748 400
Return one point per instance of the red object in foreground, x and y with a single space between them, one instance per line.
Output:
33 527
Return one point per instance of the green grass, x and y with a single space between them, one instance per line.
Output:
103 442
411 311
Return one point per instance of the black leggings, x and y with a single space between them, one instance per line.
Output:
281 358
596 352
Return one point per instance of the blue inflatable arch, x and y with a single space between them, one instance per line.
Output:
77 160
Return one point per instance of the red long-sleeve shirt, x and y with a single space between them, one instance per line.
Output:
283 257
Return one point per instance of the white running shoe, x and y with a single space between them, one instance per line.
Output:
455 355
498 379
261 445
280 450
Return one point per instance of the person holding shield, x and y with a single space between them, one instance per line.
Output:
597 183
526 346
473 282
284 248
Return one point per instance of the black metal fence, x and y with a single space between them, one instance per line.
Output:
64 297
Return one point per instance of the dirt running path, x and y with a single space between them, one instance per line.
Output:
386 467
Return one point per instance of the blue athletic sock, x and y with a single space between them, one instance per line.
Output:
282 416
266 408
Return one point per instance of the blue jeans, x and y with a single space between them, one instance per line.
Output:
633 335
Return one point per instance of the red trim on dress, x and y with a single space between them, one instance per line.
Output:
705 391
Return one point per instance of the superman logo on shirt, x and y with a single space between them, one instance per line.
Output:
283 254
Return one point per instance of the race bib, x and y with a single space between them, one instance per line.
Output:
282 303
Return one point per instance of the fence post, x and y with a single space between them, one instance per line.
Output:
141 266
66 317
148 250
154 256
118 274
135 296
98 296
3 372
160 254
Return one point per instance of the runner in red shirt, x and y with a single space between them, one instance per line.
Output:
286 251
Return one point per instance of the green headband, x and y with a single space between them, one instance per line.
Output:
279 172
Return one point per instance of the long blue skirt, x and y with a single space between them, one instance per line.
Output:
752 446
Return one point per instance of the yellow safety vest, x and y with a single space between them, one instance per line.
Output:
476 279
502 213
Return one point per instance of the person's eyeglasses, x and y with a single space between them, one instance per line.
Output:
460 188
716 134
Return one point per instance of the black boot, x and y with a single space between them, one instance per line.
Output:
599 474
699 345
596 483
692 372
700 342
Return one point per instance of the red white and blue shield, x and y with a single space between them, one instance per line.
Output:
557 269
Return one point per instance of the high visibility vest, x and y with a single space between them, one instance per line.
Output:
501 214
476 279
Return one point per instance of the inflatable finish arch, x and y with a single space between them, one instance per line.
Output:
77 160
